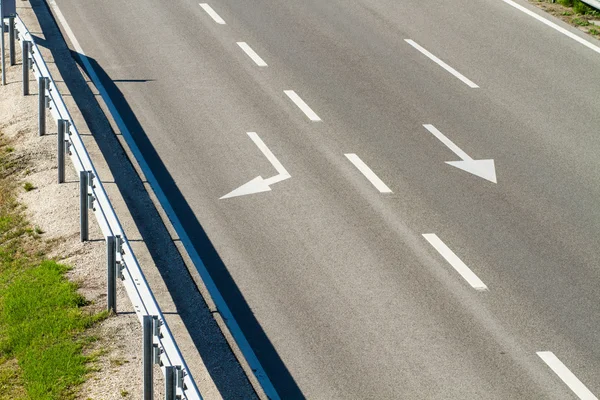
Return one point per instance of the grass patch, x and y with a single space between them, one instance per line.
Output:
42 321
580 22
578 7
28 186
594 31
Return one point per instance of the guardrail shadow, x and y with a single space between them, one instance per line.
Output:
223 368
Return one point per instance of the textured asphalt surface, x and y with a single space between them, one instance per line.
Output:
331 281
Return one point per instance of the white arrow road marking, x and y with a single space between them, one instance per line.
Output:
258 184
456 262
482 168
252 54
213 14
368 173
566 375
442 64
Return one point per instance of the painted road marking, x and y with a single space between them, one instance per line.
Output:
368 173
485 169
213 14
252 54
442 64
302 105
217 297
566 375
456 262
554 26
258 184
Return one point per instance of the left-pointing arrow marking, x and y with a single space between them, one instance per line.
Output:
482 168
258 184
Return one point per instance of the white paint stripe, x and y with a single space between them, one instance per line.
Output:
302 105
252 54
212 13
566 375
442 64
456 262
216 295
449 143
554 26
368 173
270 156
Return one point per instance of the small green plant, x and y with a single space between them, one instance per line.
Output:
38 230
28 186
124 393
9 149
117 362
580 22
594 31
567 13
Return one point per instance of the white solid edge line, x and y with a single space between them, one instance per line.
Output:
442 64
209 10
368 173
566 375
554 26
302 105
252 54
456 262
230 321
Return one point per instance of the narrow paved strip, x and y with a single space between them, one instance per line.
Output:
302 105
213 14
566 375
456 262
442 64
368 173
554 26
252 54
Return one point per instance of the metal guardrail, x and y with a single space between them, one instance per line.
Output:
159 344
592 3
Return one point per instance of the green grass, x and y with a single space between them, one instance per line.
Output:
594 31
42 322
28 186
579 7
580 22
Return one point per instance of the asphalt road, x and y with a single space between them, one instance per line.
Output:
330 278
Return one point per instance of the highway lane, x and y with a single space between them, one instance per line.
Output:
354 301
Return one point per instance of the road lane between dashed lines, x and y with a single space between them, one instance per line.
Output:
213 14
442 64
456 262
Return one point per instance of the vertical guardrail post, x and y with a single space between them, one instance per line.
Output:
83 202
62 129
178 378
11 40
2 45
111 269
148 346
169 383
42 86
26 62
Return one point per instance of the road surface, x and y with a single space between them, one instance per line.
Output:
364 265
